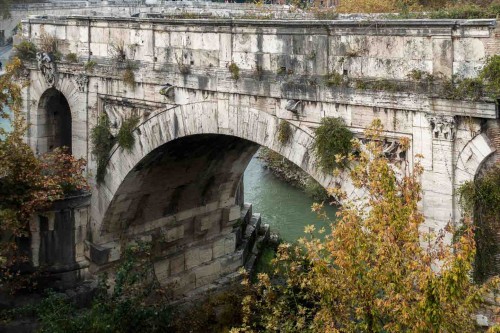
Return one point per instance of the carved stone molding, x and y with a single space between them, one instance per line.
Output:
443 127
47 66
293 105
81 82
168 91
392 150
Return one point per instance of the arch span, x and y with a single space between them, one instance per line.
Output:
256 127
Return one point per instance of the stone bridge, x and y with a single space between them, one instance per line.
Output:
209 93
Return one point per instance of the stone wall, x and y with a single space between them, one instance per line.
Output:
212 120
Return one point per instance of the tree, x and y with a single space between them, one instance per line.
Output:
377 270
28 184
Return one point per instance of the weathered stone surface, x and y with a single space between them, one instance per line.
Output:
178 186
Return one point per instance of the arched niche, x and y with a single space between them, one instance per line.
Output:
54 127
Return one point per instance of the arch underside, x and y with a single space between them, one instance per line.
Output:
187 157
190 175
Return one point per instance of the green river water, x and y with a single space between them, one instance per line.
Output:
285 208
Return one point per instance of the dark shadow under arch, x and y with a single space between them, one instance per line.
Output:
54 127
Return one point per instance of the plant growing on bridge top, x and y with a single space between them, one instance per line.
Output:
284 131
48 44
332 144
371 273
102 142
71 57
234 70
125 137
89 66
26 50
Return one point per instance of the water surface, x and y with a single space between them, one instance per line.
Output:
285 208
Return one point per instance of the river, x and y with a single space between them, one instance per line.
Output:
285 208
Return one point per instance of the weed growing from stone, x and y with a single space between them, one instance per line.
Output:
235 71
89 66
284 132
71 57
332 144
102 142
26 50
125 137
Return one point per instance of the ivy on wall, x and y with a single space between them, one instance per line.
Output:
482 198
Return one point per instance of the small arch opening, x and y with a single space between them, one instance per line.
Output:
54 122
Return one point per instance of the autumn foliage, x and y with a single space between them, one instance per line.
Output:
378 269
28 184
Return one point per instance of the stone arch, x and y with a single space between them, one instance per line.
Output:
469 162
54 122
65 85
248 128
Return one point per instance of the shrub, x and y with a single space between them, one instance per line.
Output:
102 142
332 144
89 66
125 135
26 50
235 71
129 75
71 57
284 131
334 79
490 75
48 44
117 51
371 272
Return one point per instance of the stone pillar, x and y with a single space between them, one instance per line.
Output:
438 182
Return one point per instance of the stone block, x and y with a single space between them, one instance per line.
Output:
162 269
198 255
230 243
218 248
231 214
96 253
174 233
177 264
207 273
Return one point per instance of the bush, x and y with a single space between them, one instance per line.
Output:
48 44
26 50
284 131
371 272
89 66
71 57
332 144
129 75
334 79
490 75
102 142
126 138
235 71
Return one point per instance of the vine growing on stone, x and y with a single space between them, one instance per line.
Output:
102 142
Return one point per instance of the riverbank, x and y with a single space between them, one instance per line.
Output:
292 174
